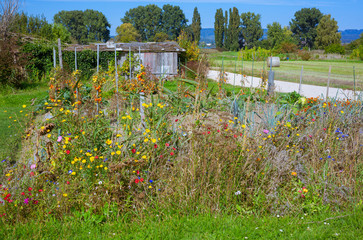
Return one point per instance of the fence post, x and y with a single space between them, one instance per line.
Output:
60 53
130 62
271 77
98 57
54 58
327 87
75 69
116 75
301 75
354 82
253 61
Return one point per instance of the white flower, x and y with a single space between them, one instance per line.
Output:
100 182
237 193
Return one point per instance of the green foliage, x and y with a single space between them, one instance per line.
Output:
59 31
275 34
251 29
219 28
191 48
40 58
327 33
160 37
173 21
335 48
258 54
361 52
196 25
233 29
287 47
304 55
150 19
303 26
126 33
84 26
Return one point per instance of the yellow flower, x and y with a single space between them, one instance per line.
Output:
146 140
95 149
73 173
293 173
305 190
113 153
61 110
92 159
84 161
147 130
83 132
24 106
109 142
153 140
105 168
65 194
118 152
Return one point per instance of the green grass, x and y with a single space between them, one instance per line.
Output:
173 226
10 106
315 71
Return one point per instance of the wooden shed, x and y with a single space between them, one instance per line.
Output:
160 57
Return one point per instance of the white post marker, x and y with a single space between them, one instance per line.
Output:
301 75
327 87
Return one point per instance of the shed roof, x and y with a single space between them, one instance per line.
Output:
125 47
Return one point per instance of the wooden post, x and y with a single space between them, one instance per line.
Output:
75 68
301 75
98 57
130 62
60 53
327 87
116 75
354 82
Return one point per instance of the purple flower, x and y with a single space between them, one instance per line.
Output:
26 201
59 139
33 166
266 131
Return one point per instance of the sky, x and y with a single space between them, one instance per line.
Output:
348 13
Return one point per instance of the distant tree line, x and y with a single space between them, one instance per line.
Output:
309 28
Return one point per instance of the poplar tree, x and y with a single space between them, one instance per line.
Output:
219 28
233 29
196 25
226 40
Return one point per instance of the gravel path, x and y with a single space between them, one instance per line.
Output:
286 87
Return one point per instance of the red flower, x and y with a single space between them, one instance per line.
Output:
23 193
218 130
167 144
155 146
96 157
31 174
235 136
176 120
133 150
208 132
40 190
171 153
68 182
68 152
138 172
136 180
29 189
174 149
141 179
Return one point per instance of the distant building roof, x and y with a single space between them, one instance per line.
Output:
125 47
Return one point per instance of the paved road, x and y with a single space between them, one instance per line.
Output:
286 87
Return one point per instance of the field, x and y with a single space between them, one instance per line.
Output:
315 72
179 159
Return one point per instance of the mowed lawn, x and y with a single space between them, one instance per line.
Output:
315 72
13 116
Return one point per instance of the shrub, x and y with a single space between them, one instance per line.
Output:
335 48
304 55
287 47
259 54
361 52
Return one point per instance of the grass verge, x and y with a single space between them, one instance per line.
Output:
12 117
321 226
